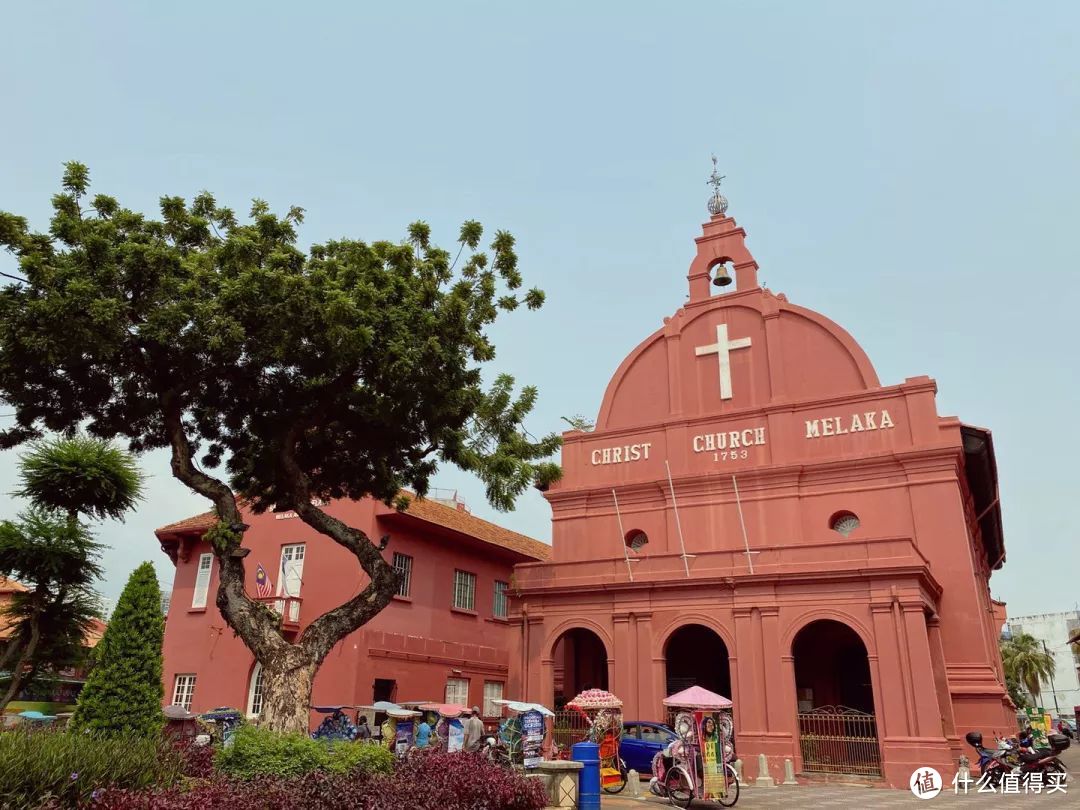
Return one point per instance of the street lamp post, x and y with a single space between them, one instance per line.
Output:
1057 709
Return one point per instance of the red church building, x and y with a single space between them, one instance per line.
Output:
444 636
755 512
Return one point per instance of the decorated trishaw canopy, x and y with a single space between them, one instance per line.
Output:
595 699
521 708
175 712
392 709
697 697
444 709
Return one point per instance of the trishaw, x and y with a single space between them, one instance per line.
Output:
448 733
337 726
699 763
521 735
397 730
604 712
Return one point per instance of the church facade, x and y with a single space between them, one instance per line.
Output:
756 513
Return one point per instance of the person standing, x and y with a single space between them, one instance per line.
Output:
423 733
363 730
474 731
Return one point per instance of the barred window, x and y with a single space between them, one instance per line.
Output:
498 609
183 691
493 690
403 565
464 590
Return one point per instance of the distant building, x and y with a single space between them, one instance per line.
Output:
62 689
1055 630
445 635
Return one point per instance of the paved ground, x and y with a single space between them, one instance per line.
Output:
840 797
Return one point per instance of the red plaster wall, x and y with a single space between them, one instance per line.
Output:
911 581
419 641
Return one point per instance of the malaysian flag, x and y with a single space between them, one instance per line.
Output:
262 582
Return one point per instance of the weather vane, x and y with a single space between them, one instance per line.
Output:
717 202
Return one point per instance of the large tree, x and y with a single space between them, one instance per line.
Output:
348 370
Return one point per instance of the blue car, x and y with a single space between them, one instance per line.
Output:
641 741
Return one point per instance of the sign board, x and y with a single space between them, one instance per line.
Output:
711 746
532 738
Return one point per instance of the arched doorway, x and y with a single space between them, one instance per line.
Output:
695 655
835 701
580 663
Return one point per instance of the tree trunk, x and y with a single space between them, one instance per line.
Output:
288 669
286 691
18 674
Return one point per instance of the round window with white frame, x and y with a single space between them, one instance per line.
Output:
255 693
844 523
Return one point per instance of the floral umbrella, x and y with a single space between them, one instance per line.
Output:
592 699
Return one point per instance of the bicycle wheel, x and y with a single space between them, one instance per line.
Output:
731 795
617 787
679 790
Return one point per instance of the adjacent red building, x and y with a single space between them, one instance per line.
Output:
445 636
755 512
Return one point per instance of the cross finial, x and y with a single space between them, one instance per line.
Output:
717 202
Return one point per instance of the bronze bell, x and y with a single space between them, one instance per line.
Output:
721 279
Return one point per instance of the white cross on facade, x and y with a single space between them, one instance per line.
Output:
722 348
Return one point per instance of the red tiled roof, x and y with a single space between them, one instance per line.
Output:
197 523
421 509
461 521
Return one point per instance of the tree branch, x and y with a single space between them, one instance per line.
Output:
253 622
322 634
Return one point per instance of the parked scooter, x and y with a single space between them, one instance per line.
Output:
992 764
1041 760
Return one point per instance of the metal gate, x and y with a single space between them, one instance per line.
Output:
836 739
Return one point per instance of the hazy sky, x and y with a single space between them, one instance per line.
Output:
909 170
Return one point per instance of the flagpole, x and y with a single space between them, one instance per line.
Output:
678 523
622 537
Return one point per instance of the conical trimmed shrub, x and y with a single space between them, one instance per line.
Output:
124 690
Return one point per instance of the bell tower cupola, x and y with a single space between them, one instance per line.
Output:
721 243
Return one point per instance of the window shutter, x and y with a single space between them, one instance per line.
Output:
202 580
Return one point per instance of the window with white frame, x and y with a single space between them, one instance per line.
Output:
403 565
202 580
292 570
183 690
464 590
493 690
255 692
498 608
457 691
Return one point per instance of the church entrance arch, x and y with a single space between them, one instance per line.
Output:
835 701
695 655
580 663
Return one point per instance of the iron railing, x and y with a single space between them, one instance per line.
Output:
570 727
839 740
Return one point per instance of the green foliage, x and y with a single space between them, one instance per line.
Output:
39 765
1026 663
258 752
81 475
124 691
361 360
41 548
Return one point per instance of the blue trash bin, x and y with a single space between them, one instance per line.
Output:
588 754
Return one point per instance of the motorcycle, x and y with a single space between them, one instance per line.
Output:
1041 760
992 764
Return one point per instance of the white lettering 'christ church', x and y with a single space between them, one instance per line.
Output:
722 349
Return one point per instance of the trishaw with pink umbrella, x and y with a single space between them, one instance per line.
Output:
699 764
604 712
